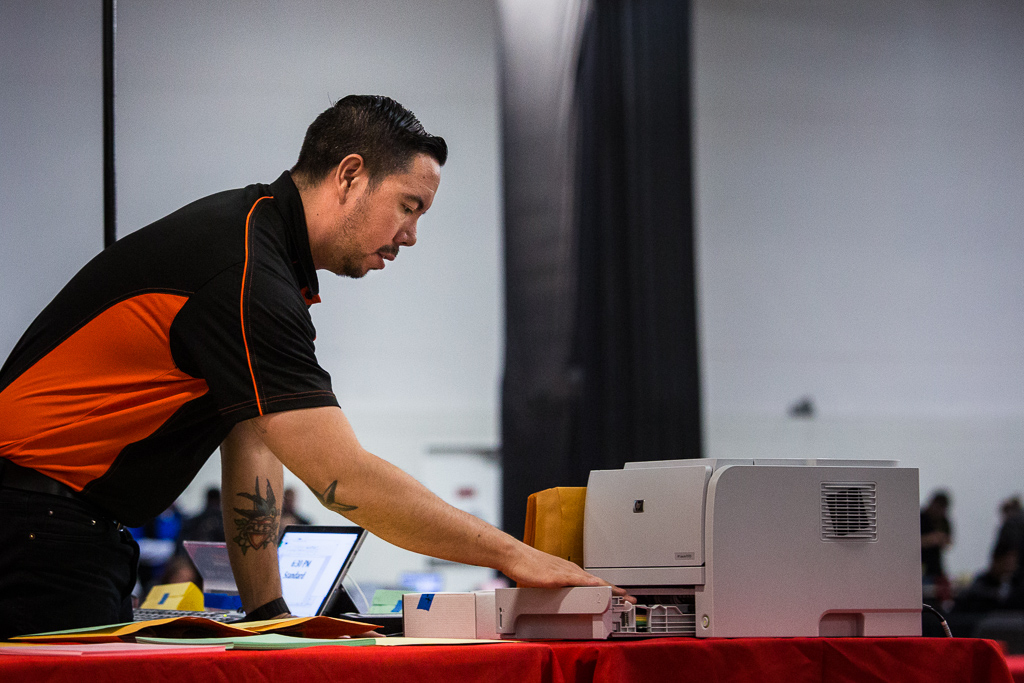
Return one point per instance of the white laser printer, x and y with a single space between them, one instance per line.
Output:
739 548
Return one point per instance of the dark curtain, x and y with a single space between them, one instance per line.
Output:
601 345
636 329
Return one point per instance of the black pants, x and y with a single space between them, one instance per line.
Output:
62 565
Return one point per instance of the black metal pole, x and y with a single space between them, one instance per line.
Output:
109 189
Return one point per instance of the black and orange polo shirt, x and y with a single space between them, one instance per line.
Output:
132 376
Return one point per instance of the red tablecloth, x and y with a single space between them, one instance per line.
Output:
1016 664
793 660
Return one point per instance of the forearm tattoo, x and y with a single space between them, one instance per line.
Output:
257 528
327 499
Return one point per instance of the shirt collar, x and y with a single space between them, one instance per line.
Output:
290 205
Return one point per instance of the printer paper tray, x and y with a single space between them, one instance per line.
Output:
588 613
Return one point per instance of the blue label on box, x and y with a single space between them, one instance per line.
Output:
221 601
425 601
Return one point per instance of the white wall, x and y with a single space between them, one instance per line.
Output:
214 95
51 152
860 214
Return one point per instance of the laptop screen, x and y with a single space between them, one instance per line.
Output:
313 561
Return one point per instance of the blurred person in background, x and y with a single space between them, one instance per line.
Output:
289 513
994 588
936 536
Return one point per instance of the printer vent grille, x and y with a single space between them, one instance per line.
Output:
849 511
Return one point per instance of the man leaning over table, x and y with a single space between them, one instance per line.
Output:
194 332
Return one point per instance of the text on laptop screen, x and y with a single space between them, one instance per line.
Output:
310 566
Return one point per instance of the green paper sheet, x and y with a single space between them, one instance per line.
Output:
385 601
265 641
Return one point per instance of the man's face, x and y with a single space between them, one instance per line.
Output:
383 219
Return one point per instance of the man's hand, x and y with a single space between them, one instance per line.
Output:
538 569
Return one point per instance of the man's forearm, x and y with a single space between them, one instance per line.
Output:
404 512
251 480
318 445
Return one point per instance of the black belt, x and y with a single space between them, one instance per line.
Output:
27 479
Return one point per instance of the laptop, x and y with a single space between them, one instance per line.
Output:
313 561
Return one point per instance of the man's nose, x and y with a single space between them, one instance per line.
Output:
406 237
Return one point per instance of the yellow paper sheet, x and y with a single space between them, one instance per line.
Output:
179 627
311 627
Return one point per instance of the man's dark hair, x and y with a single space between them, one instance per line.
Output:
383 132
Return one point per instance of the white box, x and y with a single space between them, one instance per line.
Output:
449 615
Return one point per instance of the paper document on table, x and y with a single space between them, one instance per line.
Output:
199 627
273 641
311 627
179 627
119 649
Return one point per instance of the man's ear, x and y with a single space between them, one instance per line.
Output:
349 172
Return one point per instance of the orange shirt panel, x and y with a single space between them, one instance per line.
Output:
110 384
